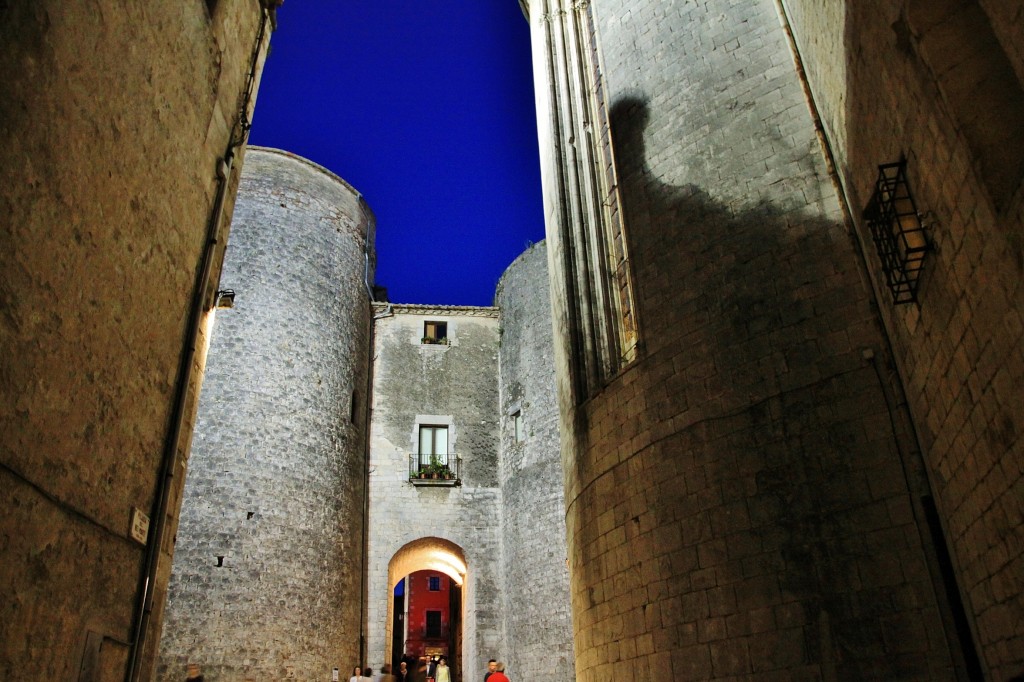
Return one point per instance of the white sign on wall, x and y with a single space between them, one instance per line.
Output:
140 526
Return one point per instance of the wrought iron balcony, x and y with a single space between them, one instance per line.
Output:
435 469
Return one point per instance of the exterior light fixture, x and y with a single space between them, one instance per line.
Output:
898 231
226 298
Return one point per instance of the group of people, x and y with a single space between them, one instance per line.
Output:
495 672
360 674
423 669
411 669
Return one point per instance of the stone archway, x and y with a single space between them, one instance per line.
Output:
434 554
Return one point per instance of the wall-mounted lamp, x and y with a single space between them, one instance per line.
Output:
898 230
226 298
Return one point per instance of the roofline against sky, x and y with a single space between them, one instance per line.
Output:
302 159
426 309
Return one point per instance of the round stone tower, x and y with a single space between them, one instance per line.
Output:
538 626
740 497
268 568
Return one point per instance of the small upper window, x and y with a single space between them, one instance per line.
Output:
435 332
520 429
434 583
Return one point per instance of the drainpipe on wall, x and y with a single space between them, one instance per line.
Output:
159 512
166 480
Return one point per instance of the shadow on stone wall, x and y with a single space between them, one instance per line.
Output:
752 319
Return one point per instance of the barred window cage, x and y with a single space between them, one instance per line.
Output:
898 231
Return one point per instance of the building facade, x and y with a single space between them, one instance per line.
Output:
428 627
320 479
435 396
123 131
474 388
786 272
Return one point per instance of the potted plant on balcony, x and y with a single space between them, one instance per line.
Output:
435 467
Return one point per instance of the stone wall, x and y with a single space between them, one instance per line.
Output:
535 576
959 350
112 123
453 384
268 568
742 498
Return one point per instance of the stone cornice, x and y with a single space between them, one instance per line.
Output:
419 309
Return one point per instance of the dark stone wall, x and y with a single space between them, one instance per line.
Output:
941 84
269 561
112 122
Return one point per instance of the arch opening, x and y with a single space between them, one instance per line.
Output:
413 611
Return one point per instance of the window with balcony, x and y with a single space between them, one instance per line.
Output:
433 464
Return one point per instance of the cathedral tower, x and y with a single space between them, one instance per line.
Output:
740 305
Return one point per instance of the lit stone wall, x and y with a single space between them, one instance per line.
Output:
959 352
268 569
535 577
742 498
456 382
112 121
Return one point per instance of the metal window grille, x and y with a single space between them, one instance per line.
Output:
897 231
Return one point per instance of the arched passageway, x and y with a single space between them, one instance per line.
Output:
426 603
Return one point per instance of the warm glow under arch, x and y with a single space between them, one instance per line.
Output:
422 554
427 554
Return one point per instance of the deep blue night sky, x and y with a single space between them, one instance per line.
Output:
427 109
